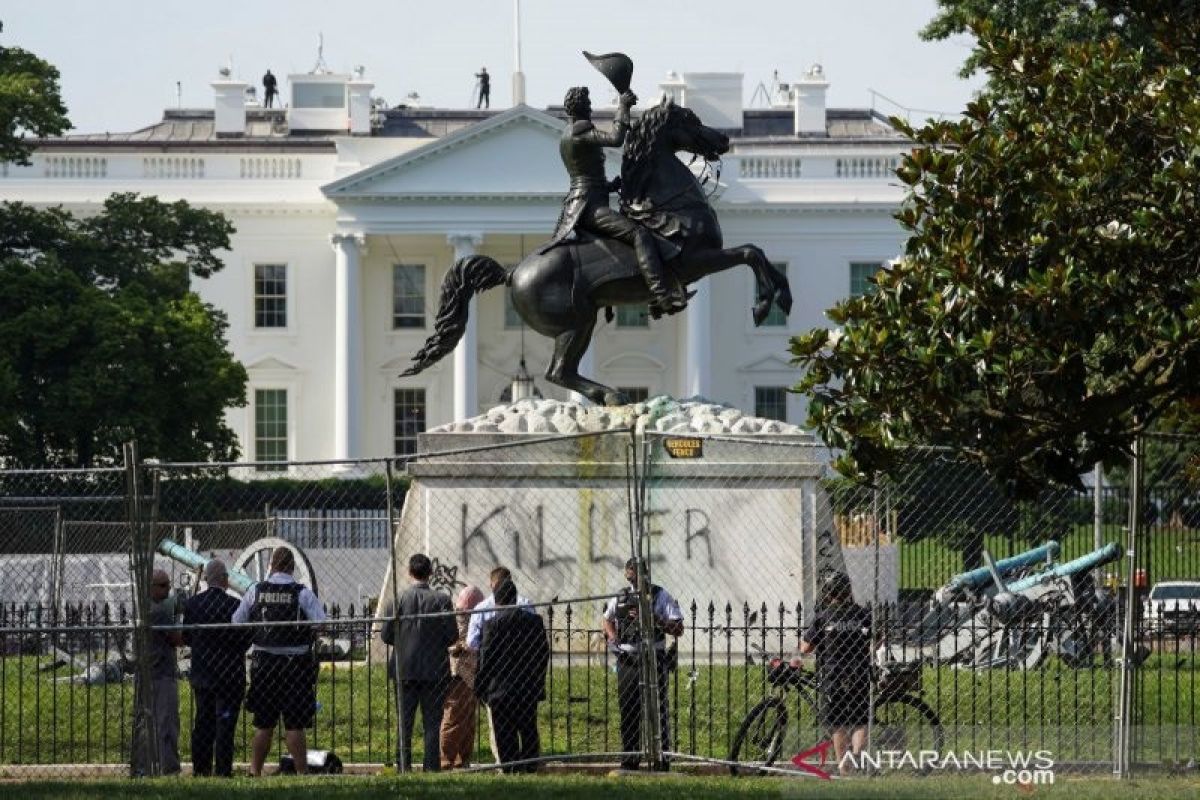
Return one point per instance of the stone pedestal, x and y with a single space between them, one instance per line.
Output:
742 521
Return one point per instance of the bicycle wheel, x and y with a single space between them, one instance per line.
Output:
775 730
906 723
760 737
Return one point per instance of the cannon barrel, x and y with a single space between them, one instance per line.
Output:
238 580
1096 558
981 575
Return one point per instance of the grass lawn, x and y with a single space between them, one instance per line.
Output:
1066 710
558 787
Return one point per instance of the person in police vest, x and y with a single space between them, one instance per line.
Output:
283 670
840 636
624 633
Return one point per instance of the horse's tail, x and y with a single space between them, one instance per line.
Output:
468 277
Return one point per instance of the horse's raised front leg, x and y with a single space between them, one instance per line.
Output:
770 284
569 348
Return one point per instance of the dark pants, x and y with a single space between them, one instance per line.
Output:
430 696
629 695
213 728
516 734
600 218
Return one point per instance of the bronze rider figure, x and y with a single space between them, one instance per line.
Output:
586 205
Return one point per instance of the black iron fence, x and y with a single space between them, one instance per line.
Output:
1044 669
66 685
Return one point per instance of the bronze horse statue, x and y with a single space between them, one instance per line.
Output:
559 293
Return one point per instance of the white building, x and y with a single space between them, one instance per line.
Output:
348 216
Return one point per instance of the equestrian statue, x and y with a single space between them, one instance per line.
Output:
664 237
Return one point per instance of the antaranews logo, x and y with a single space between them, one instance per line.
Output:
1008 767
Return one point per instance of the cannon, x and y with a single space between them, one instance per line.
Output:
968 585
250 566
1012 614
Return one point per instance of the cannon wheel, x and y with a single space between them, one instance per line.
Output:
255 561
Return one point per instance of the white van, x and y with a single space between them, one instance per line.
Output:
1174 606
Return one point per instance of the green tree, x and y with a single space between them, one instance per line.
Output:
102 340
1047 307
30 103
1046 20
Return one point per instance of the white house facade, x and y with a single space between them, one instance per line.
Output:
347 216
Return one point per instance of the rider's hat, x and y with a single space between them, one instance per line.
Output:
617 67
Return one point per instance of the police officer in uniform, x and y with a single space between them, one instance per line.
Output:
840 636
283 671
624 633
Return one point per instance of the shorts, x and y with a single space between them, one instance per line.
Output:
282 686
844 710
845 699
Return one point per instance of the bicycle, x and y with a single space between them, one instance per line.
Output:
785 723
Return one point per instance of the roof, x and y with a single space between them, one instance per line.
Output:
266 128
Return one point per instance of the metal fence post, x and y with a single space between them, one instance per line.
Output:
144 755
401 734
648 661
1123 721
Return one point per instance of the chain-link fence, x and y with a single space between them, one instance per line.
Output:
804 624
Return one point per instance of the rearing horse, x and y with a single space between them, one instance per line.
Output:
559 293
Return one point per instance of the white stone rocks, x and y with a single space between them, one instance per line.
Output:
663 413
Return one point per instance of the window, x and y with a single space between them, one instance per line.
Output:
270 295
770 402
410 419
270 427
319 95
511 318
633 317
775 317
636 394
860 271
408 296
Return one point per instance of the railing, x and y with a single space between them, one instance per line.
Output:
270 167
173 167
75 167
879 167
770 167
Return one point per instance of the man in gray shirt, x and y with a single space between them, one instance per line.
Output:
164 678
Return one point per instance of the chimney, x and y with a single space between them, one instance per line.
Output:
716 97
674 88
358 97
809 94
229 109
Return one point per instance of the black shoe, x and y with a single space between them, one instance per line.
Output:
672 302
630 765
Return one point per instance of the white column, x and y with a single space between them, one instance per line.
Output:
698 359
347 343
466 354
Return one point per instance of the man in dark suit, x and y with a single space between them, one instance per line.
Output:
421 660
218 673
512 677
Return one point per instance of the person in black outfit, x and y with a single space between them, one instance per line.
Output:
840 635
270 89
218 673
624 635
513 660
485 88
421 660
283 670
